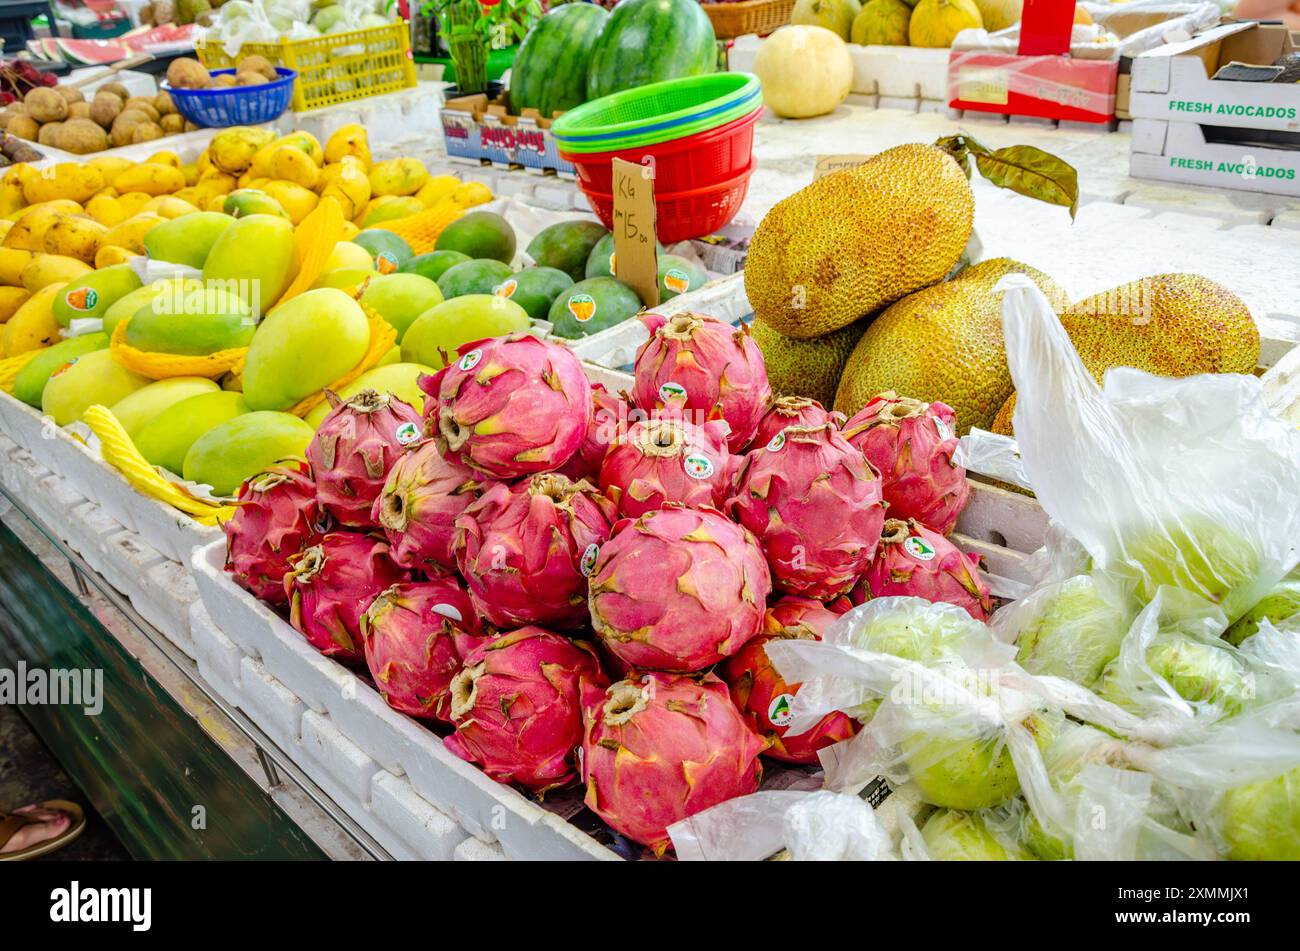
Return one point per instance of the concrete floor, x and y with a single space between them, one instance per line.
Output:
29 773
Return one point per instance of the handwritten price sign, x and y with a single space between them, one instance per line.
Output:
635 257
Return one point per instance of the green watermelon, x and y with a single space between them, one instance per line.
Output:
647 41
550 72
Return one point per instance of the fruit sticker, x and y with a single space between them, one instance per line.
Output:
506 289
470 360
385 263
63 369
582 307
942 429
777 442
83 298
778 711
672 392
919 548
449 611
407 433
677 280
611 264
588 563
698 466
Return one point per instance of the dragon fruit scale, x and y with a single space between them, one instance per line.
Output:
276 518
678 589
331 584
424 493
918 562
765 699
661 748
912 444
667 460
526 549
509 406
815 505
791 411
703 369
353 449
610 417
517 707
415 635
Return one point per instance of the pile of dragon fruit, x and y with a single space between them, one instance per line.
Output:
577 585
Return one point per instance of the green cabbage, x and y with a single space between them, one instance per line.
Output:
952 836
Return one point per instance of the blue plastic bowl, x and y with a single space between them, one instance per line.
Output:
235 105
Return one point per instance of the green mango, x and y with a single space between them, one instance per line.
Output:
473 277
399 379
257 258
243 202
305 345
535 289
566 246
400 298
677 275
91 378
91 295
166 439
591 306
128 305
31 379
433 264
188 239
343 278
444 328
142 406
232 451
202 321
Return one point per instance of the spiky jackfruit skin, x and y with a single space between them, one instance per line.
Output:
1171 325
859 239
809 368
943 343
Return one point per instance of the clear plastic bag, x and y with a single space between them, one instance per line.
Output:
1189 482
817 826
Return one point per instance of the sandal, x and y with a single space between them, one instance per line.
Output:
11 823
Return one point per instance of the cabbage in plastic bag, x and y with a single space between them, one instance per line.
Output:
953 836
1071 629
1279 605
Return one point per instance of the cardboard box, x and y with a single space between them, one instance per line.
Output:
1176 83
476 130
1260 161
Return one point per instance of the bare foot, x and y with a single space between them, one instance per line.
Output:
45 824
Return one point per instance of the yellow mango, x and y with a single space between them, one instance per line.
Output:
349 231
11 298
130 234
165 158
28 232
45 270
370 207
351 188
75 236
169 206
304 142
110 166
5 227
469 194
106 210
297 201
110 254
152 179
437 188
402 207
400 176
191 194
215 203
12 262
191 171
133 203
232 149
69 180
33 327
291 164
204 162
350 139
12 198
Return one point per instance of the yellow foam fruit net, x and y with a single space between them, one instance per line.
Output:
11 367
120 453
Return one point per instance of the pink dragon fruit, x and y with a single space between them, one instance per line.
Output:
912 443
667 460
517 707
415 635
663 747
678 589
610 417
915 561
277 517
354 447
764 698
526 549
703 369
814 503
791 411
509 406
331 584
417 509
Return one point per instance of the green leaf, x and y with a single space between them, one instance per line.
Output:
1032 172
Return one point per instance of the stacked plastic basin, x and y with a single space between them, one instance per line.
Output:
697 133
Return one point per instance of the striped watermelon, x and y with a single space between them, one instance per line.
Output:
646 41
550 72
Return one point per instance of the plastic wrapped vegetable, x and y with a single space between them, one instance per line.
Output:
1070 629
1189 483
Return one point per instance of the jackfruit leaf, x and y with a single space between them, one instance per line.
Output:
1032 172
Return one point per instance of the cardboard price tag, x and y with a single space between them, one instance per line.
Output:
826 164
634 229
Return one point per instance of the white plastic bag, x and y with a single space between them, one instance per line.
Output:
1186 482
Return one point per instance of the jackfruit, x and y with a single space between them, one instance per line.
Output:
1172 325
858 240
809 368
942 343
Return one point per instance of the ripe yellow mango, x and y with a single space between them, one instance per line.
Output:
132 203
106 210
400 176
294 165
130 234
232 150
110 255
297 201
437 188
70 180
258 255
169 206
154 180
12 262
33 327
45 270
351 140
75 236
28 232
11 298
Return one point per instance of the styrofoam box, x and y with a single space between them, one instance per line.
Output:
890 72
1179 152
